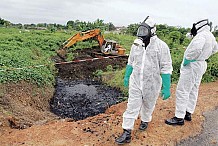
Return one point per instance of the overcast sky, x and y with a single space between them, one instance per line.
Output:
119 12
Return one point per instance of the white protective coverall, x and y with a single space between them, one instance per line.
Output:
145 81
108 48
201 48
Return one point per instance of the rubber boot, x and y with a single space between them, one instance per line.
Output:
188 116
124 138
175 121
143 126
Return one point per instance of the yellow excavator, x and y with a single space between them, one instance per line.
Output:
108 47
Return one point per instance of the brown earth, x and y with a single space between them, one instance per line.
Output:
24 105
104 128
86 70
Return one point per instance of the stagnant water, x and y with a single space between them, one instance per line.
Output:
82 98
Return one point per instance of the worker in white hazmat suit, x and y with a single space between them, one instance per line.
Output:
202 46
108 49
149 66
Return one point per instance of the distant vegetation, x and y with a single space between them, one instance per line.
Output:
29 45
70 25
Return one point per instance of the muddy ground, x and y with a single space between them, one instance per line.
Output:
26 117
86 70
79 92
83 98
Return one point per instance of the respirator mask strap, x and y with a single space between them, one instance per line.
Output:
194 30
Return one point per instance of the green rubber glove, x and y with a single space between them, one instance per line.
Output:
166 82
127 75
186 61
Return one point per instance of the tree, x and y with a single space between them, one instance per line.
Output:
41 25
161 27
7 24
175 36
111 26
19 25
2 21
132 29
84 26
215 32
70 24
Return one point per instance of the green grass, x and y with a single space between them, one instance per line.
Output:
27 48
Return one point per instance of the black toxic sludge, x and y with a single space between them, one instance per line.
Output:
82 99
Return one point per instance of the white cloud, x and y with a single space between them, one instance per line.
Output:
119 12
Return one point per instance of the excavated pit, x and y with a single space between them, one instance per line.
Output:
79 93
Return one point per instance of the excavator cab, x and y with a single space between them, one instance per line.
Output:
109 47
113 48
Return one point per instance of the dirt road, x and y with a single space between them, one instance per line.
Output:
101 130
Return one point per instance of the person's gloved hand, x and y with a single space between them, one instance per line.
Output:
166 82
186 61
128 72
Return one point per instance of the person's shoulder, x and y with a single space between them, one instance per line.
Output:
203 35
161 42
138 42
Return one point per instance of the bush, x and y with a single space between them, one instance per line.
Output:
21 53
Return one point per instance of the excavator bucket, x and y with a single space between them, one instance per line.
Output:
62 53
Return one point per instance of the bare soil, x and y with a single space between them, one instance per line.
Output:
26 119
86 70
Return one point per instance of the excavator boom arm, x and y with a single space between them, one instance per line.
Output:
81 36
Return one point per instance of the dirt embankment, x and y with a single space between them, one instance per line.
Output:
23 105
104 128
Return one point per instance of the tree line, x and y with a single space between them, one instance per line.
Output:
172 33
71 25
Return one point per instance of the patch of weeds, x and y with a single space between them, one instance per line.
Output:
98 73
109 68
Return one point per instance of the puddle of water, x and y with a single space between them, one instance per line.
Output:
88 90
83 98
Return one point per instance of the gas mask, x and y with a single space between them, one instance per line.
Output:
195 29
144 32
